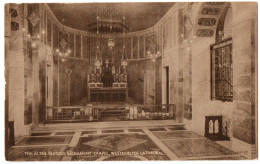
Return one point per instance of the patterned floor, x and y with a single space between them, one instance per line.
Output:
157 143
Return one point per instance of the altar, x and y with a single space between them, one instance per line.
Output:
117 93
106 86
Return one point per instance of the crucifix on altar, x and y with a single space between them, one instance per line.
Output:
107 76
106 62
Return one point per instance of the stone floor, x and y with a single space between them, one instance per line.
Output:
121 144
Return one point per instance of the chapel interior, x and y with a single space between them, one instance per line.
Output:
176 77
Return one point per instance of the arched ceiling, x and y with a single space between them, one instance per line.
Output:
139 16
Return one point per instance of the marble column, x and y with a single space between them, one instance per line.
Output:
35 85
15 57
244 70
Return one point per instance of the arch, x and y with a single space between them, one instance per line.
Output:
209 16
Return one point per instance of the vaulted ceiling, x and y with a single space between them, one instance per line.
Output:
139 16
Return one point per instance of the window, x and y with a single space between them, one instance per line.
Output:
222 71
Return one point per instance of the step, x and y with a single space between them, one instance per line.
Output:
104 125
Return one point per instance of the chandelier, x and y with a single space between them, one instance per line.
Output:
110 20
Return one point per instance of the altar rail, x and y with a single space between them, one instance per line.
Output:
97 78
97 112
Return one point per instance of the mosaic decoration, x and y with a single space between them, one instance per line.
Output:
14 26
210 11
207 21
34 19
49 31
187 23
150 42
13 13
166 34
63 43
204 33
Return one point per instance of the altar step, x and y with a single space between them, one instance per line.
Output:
61 127
84 101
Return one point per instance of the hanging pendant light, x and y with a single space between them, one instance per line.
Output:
123 61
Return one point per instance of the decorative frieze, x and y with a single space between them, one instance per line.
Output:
13 13
207 21
14 26
210 11
204 33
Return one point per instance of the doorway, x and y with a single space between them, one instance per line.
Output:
167 85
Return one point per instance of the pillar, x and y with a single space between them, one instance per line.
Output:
244 55
15 67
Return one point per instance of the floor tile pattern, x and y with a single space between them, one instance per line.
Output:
135 130
64 133
177 135
196 148
89 132
157 129
109 143
112 131
45 140
40 134
116 144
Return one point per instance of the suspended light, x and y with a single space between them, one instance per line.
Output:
111 43
33 44
110 18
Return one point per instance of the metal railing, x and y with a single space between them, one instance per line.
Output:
97 112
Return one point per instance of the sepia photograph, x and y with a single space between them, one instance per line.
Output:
130 81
